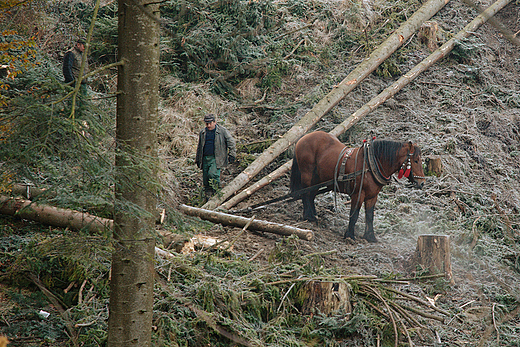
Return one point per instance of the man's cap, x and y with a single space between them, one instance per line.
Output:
82 41
209 118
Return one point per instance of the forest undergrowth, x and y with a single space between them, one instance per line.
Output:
260 66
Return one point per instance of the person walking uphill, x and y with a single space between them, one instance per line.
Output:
215 150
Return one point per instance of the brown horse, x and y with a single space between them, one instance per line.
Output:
321 159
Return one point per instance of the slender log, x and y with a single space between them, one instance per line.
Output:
57 217
421 67
237 221
390 45
28 191
382 97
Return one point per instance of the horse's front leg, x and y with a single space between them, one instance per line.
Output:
354 214
369 220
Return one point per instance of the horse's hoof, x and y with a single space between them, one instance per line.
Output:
370 238
348 236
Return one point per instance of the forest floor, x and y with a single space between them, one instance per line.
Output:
453 110
465 109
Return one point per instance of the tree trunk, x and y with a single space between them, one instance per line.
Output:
132 283
383 96
238 221
433 165
49 215
433 254
325 297
332 99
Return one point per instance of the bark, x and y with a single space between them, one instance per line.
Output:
28 191
433 254
132 283
332 99
386 94
325 297
238 221
53 216
433 165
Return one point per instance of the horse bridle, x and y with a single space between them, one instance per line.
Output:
406 169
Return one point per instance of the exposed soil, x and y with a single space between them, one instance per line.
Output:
463 109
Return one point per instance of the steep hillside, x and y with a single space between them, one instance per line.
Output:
464 109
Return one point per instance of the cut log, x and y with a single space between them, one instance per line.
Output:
49 215
433 254
28 191
383 96
238 221
390 45
433 165
325 297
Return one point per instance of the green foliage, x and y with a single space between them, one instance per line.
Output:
47 145
465 49
214 36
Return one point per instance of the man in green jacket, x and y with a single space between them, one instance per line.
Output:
215 150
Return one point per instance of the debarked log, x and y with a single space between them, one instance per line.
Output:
238 221
54 216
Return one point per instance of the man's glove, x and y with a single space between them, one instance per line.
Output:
231 159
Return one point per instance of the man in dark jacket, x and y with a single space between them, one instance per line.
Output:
72 64
215 150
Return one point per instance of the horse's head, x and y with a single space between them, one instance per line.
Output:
412 166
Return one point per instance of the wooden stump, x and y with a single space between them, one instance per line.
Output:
433 165
433 253
428 35
326 297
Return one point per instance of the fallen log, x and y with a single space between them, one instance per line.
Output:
364 69
54 216
238 221
386 94
28 191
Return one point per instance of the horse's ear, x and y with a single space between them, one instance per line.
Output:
411 145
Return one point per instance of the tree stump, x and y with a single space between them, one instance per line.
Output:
326 297
433 165
433 253
428 35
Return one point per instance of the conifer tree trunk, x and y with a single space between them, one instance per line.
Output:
364 69
132 282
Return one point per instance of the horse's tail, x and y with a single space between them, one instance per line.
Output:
296 176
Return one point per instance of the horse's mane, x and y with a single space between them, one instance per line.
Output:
388 149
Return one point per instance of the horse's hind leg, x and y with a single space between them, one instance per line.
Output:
309 210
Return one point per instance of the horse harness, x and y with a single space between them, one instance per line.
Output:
373 166
340 176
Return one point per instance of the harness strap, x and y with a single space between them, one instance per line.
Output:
376 171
